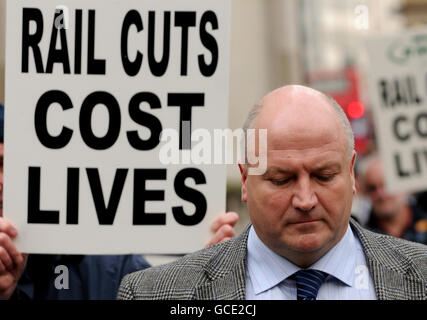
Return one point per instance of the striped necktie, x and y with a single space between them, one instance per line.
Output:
308 283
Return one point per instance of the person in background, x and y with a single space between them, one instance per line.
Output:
35 276
361 206
398 213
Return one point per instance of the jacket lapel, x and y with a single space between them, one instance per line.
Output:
226 272
229 287
392 285
392 272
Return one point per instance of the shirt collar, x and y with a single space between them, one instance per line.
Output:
267 268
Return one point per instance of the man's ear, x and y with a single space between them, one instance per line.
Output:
353 178
244 174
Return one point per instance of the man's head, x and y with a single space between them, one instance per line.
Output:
385 205
300 207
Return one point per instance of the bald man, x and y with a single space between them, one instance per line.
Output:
302 243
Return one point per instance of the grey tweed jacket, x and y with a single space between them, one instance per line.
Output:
398 269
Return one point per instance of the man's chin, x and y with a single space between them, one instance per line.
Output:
308 246
310 242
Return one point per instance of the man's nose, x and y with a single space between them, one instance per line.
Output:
304 198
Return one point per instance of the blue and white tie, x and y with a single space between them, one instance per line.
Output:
308 283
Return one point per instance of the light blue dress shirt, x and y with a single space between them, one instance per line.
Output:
267 273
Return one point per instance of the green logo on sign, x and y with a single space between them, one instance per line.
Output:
401 51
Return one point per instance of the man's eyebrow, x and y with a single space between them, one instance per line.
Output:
276 170
328 166
320 167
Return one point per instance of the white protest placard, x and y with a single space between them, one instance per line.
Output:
91 88
397 78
